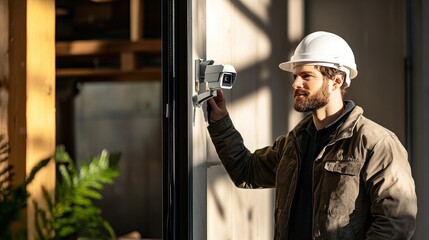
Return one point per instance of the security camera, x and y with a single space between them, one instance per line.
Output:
216 77
220 76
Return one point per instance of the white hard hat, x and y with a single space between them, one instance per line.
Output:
324 49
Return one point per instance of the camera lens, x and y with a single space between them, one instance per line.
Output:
227 79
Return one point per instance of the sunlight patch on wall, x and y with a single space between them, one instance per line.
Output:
295 23
230 30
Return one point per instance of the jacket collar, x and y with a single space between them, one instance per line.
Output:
346 130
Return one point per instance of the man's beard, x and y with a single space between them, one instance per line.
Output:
311 103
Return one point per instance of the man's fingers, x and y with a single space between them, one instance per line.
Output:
212 103
219 95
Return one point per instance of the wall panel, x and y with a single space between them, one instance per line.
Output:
252 36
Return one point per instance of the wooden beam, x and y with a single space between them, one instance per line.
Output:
125 50
106 75
32 96
100 47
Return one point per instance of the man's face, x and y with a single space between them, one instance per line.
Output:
311 91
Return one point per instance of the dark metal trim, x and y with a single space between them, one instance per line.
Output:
177 211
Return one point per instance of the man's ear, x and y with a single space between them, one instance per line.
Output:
338 81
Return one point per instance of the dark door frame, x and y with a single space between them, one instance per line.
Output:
177 210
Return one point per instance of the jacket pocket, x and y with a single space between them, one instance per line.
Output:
344 167
338 203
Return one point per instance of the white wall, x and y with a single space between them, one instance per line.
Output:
199 132
234 37
251 35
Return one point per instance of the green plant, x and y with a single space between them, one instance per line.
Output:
73 213
13 199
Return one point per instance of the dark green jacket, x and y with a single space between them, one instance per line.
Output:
362 182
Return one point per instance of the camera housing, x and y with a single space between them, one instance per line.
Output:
215 77
220 76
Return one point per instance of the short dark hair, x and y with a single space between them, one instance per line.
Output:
330 73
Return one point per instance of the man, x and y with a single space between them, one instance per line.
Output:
337 174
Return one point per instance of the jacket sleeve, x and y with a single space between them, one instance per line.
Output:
390 186
246 169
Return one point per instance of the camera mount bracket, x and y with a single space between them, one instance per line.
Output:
199 99
200 69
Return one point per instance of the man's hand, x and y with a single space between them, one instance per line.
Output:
218 106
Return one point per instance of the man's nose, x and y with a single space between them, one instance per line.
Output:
297 82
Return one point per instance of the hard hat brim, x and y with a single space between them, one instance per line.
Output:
290 65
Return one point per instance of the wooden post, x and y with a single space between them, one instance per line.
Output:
128 59
4 65
4 74
136 20
31 115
